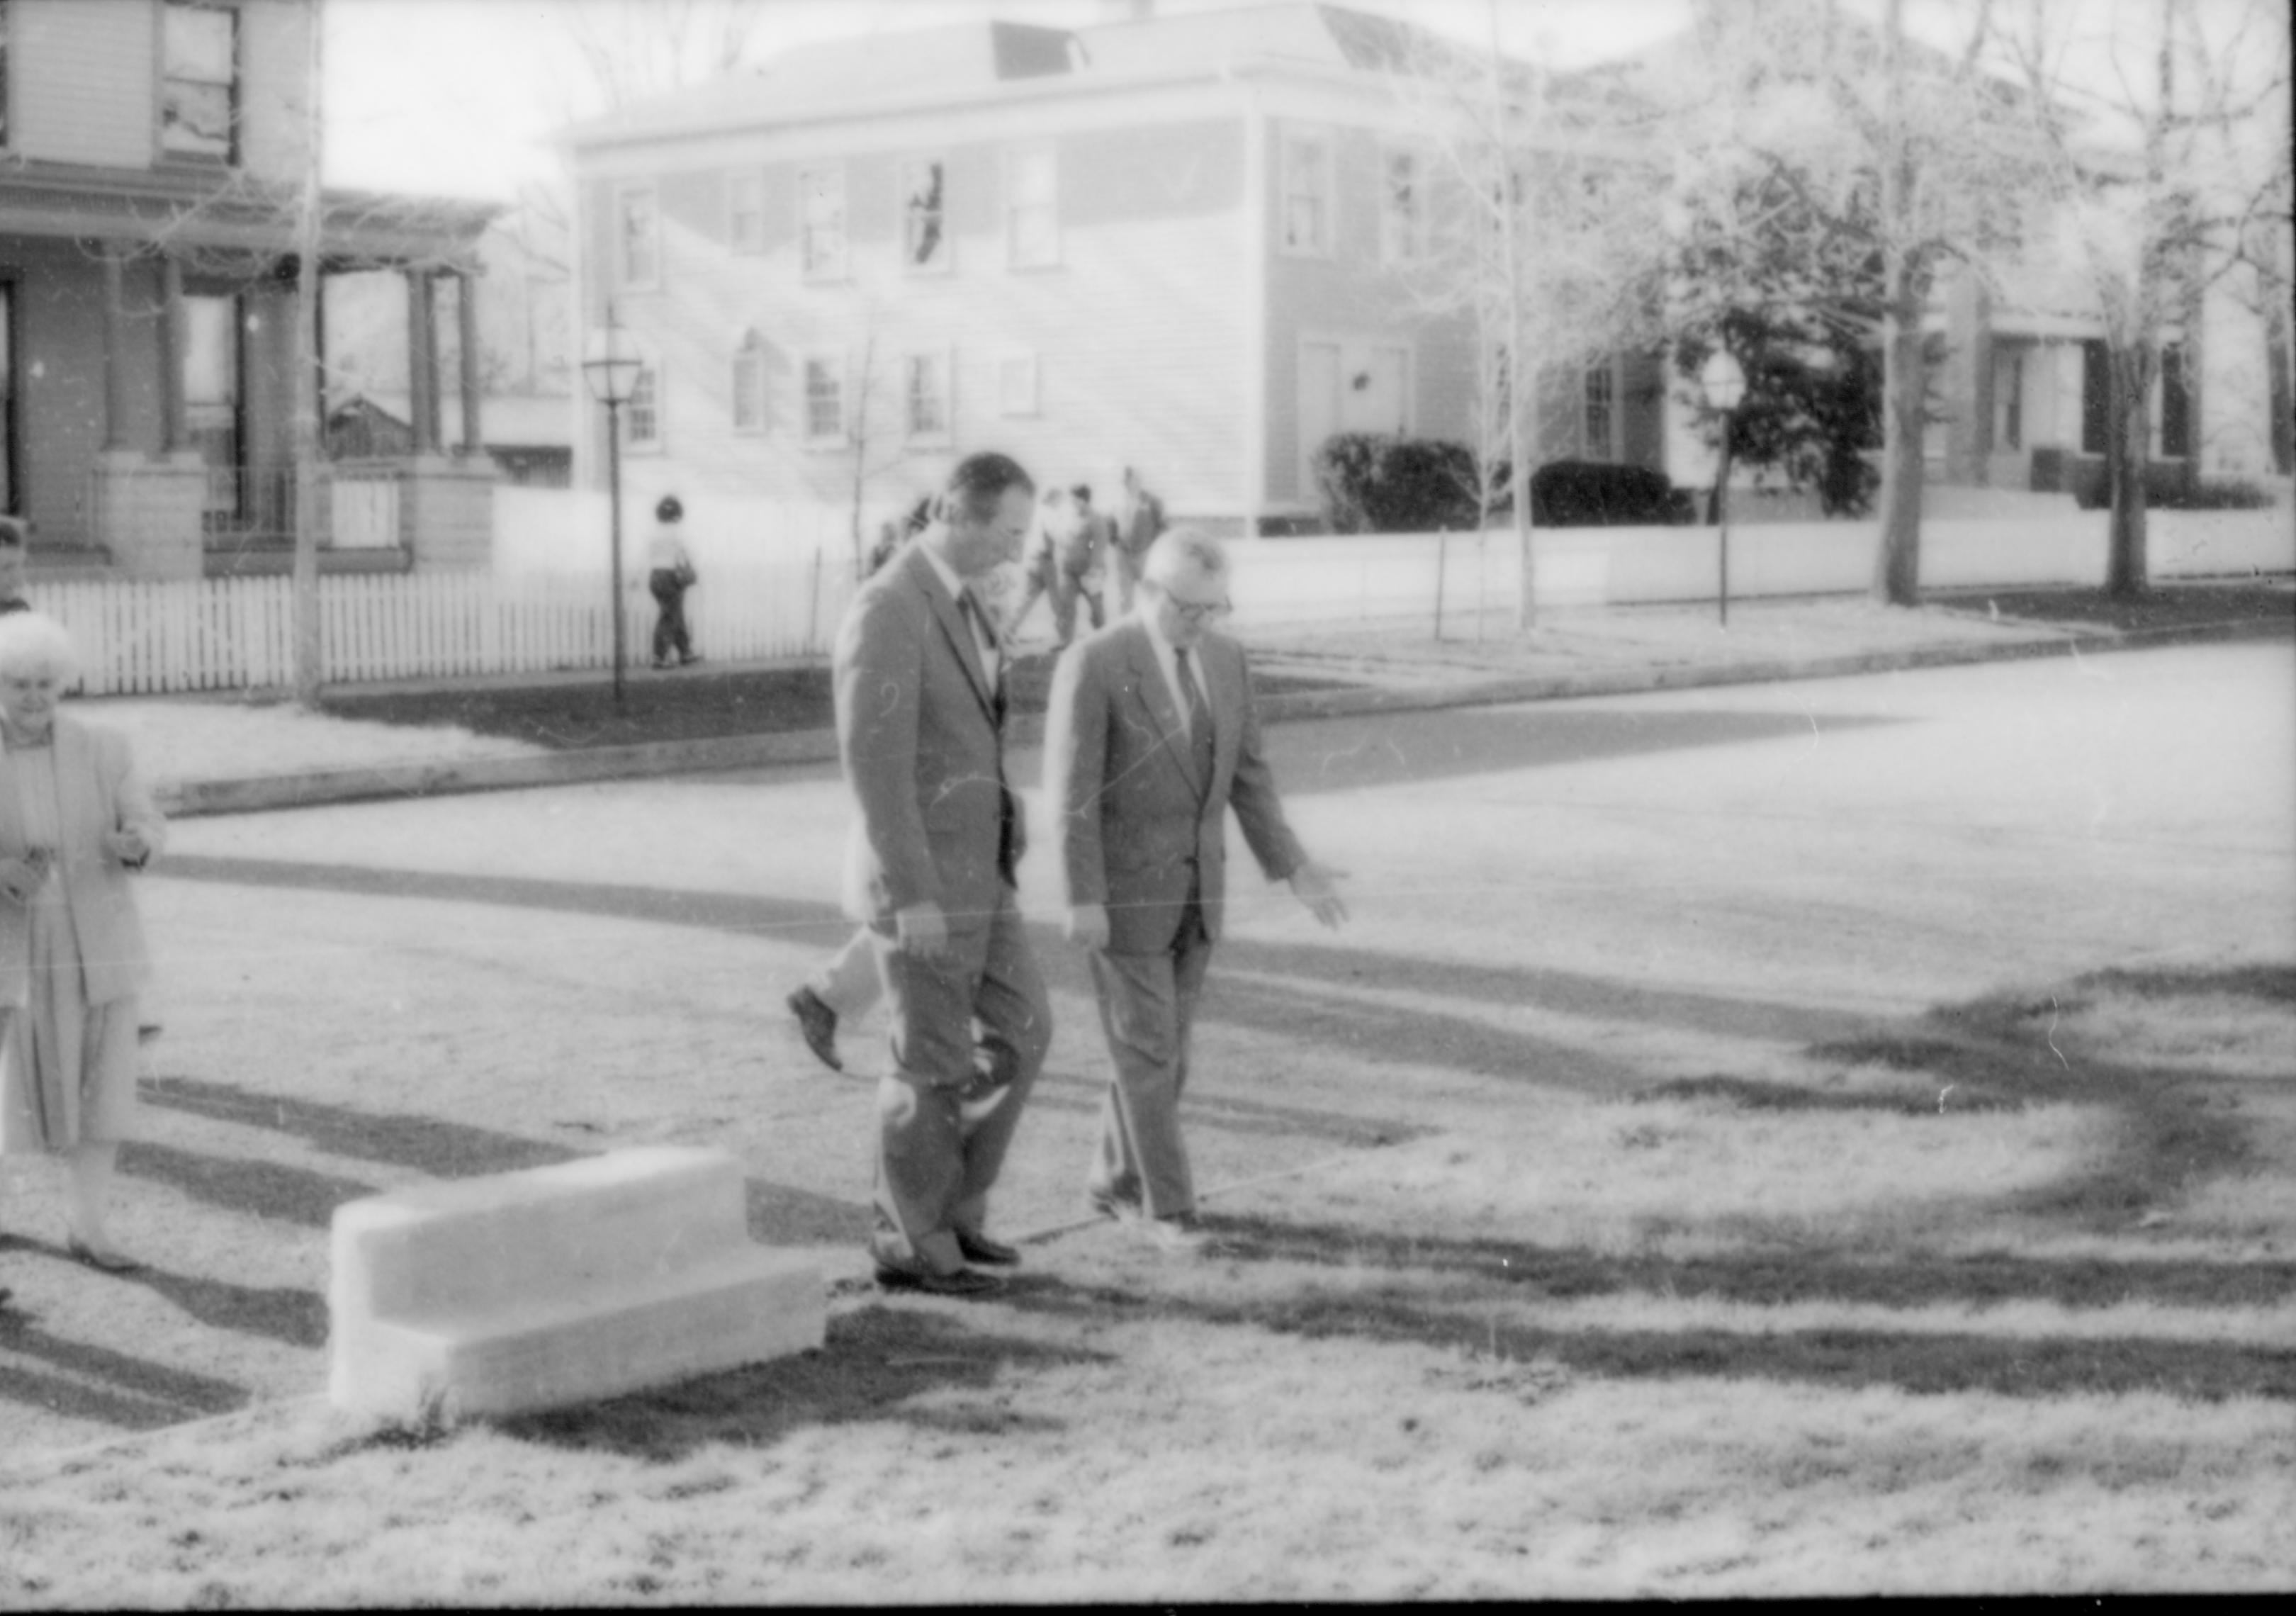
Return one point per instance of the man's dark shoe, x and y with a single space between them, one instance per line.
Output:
818 1022
1109 1206
964 1282
978 1247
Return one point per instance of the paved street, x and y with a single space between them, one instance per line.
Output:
1552 902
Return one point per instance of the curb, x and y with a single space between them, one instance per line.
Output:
259 794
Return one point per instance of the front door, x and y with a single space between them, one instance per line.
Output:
211 368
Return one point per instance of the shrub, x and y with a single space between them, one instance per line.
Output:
1371 483
1599 493
2165 488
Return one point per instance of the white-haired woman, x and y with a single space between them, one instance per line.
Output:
75 819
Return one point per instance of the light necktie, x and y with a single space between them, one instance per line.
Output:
1199 718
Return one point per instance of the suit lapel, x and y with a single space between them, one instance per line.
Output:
1224 691
961 639
1156 695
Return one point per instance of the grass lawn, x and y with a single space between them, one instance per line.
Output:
2000 1302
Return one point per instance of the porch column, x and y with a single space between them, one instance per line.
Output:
115 351
421 363
466 326
174 434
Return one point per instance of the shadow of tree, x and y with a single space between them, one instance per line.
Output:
877 1359
429 1144
102 1384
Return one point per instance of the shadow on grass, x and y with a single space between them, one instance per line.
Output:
2168 1137
429 1144
100 1383
877 1360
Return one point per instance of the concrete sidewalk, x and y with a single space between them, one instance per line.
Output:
227 754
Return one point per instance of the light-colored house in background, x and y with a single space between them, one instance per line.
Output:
1180 242
153 155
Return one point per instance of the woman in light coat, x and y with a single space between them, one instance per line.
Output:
75 821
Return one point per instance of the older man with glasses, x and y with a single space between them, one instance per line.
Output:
1149 740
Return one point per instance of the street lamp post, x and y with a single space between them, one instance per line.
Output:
1724 384
611 366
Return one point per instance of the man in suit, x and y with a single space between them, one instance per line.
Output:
1149 740
920 727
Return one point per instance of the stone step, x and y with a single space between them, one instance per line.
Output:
741 1308
529 1290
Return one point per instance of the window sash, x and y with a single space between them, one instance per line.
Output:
925 396
750 387
1032 221
825 399
1306 194
636 256
1601 413
642 413
925 213
822 193
745 212
1403 212
199 85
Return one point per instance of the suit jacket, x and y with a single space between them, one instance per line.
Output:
1137 827
97 789
919 728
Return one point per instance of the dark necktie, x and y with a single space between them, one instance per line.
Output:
1199 718
1008 809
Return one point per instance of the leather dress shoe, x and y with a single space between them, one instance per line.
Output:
964 1282
1110 1207
818 1022
978 1247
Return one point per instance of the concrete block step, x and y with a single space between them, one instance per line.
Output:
742 1307
529 1290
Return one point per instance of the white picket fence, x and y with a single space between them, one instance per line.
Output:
225 634
146 638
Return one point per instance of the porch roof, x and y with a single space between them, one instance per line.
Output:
358 229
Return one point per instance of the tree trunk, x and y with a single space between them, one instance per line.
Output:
1897 562
2132 436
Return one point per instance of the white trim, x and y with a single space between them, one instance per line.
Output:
1252 219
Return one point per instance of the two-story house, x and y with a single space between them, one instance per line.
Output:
153 155
1182 243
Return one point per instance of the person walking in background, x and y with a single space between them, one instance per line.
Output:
1149 740
1139 518
920 730
15 556
669 574
74 820
1081 564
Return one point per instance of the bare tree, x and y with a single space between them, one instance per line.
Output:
1905 147
1539 242
2147 129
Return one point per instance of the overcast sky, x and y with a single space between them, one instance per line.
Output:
458 97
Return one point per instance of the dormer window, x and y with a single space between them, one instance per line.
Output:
199 84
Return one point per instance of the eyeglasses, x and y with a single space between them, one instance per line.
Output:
1207 611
